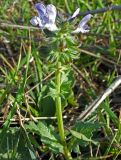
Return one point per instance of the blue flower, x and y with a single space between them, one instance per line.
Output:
83 27
46 17
74 14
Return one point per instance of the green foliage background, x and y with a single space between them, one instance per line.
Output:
27 91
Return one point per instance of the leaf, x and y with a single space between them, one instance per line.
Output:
14 146
82 136
46 102
48 136
67 82
86 128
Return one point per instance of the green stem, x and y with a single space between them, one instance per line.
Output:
59 112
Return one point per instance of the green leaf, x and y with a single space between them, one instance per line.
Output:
82 136
86 128
15 147
46 102
48 136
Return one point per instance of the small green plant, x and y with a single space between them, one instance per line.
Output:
64 51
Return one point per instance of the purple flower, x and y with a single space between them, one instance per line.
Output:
36 21
83 27
74 14
46 17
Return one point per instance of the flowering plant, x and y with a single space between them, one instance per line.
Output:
62 54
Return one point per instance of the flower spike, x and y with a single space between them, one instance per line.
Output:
47 16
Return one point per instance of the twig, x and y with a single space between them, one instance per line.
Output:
99 100
46 78
100 56
29 119
20 118
103 35
102 10
81 74
18 26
